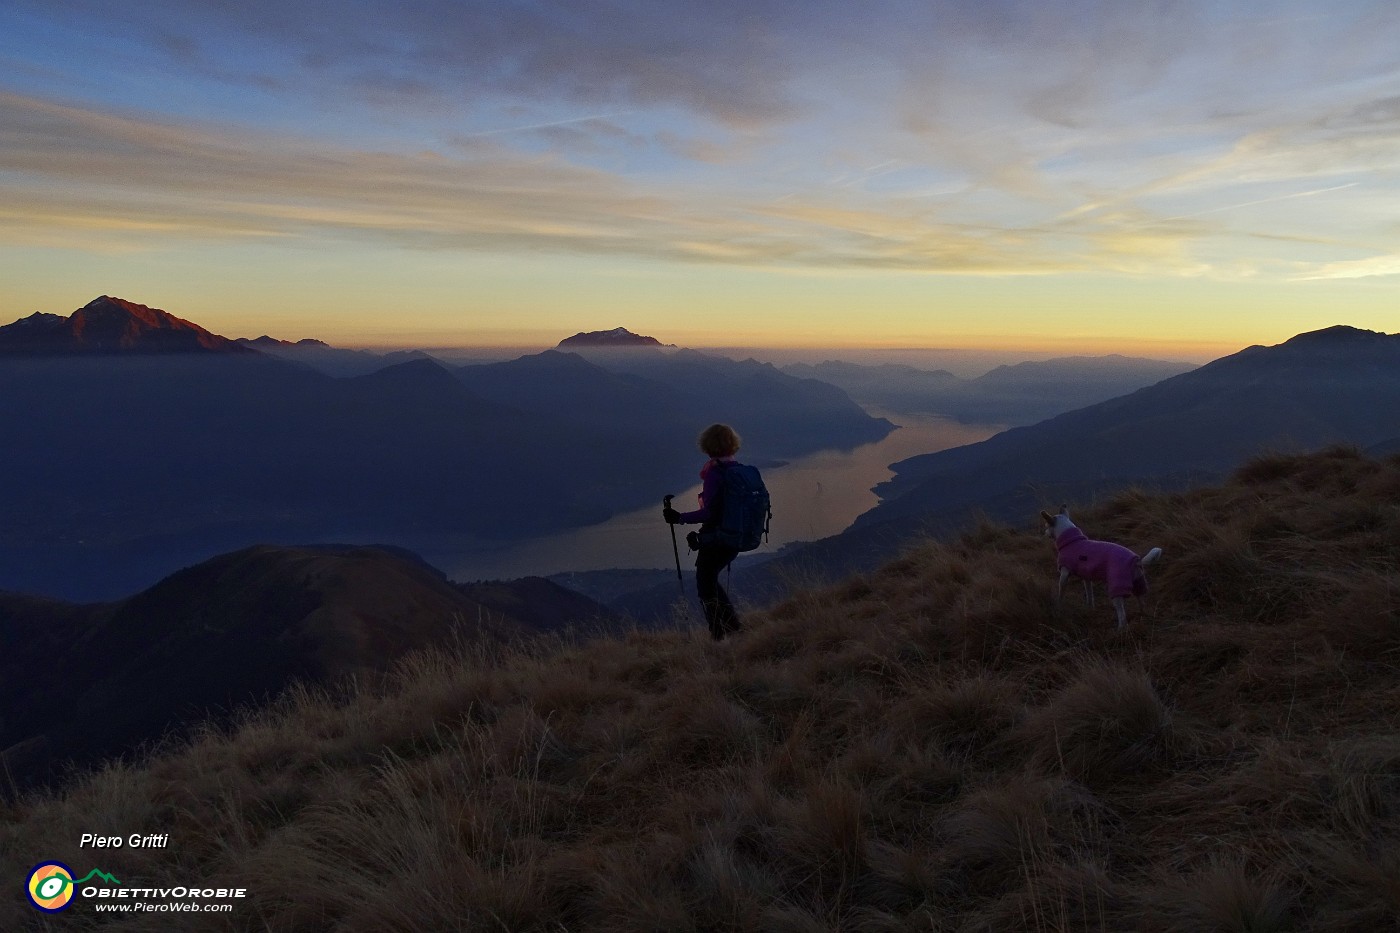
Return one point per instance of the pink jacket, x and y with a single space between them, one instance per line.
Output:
1105 561
710 477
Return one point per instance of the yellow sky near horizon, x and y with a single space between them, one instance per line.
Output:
396 303
1024 177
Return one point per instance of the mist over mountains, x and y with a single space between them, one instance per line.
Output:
138 443
129 459
333 361
659 398
1015 394
1340 385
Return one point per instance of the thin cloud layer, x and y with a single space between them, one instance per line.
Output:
1179 137
95 172
725 60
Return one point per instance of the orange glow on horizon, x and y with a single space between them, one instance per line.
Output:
526 342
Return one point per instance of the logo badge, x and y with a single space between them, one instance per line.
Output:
51 887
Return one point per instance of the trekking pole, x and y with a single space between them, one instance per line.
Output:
675 548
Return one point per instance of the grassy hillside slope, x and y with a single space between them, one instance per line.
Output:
928 747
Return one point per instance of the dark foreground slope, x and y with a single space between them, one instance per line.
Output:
927 747
82 682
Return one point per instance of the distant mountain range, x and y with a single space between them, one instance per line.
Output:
664 398
1340 385
1337 385
125 459
82 682
333 361
1023 393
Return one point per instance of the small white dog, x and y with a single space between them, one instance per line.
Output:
1112 564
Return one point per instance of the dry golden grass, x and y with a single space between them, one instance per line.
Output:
928 747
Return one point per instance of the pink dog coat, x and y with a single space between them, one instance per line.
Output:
1105 561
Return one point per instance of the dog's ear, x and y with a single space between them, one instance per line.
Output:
1047 517
1064 510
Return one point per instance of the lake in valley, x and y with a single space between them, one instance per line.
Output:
815 496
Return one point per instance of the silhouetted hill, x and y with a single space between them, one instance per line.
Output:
109 325
541 605
608 586
97 680
617 337
930 746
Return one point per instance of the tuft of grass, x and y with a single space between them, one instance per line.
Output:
963 717
1108 724
1229 897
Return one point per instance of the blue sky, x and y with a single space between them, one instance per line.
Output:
1174 174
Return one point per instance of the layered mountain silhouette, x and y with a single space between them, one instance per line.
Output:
333 361
1340 385
1018 394
272 343
1337 385
122 467
110 326
555 381
81 682
663 399
788 413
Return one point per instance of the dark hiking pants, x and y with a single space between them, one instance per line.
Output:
719 611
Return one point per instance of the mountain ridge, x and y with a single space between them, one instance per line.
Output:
1184 431
617 337
233 630
1206 420
111 326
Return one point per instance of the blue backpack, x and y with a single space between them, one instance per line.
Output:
745 510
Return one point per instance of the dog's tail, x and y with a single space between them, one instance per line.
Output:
1151 555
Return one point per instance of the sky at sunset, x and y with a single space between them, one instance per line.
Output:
1176 179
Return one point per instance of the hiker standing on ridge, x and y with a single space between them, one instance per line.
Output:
720 443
